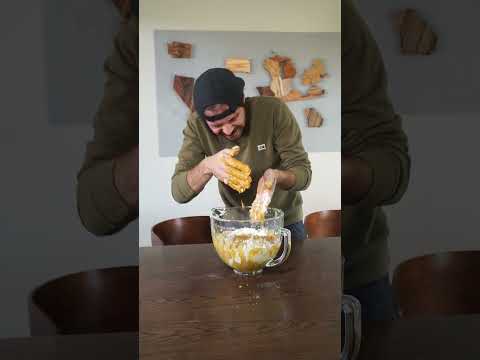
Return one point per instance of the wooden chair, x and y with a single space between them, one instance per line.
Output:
185 230
97 301
322 224
438 285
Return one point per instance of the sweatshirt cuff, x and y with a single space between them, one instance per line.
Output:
182 191
107 210
385 177
302 179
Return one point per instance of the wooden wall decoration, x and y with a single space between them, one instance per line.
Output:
282 71
313 117
183 86
180 50
416 36
313 75
238 65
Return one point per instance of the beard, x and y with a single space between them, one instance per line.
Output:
235 135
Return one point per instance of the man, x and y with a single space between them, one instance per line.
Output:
267 134
107 187
375 167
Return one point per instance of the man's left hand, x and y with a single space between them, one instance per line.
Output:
284 179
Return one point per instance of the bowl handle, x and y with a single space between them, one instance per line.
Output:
287 247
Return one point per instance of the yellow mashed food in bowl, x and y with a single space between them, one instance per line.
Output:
246 250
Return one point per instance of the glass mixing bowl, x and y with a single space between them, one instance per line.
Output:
246 246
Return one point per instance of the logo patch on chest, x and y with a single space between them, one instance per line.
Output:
261 147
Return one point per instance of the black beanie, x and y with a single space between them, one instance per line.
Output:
217 86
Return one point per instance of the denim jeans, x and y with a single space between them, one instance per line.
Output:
298 230
376 299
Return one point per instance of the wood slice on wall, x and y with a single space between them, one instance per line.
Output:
183 86
314 73
238 65
315 91
180 50
313 117
293 95
289 70
416 35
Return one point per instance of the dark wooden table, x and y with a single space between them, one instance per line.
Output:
427 339
446 338
118 346
192 306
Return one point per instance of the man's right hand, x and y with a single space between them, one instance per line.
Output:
229 170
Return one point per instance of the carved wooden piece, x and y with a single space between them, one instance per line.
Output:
282 70
314 73
289 70
238 65
416 36
178 50
293 96
281 66
296 95
183 86
313 117
315 91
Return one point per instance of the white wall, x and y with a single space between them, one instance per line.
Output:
156 203
439 212
41 235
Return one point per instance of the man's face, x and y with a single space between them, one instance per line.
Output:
231 127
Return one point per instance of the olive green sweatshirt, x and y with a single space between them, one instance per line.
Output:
371 131
271 139
101 208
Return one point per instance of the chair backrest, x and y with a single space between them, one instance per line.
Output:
97 301
322 224
181 231
438 285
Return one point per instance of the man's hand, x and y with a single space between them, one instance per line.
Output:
229 170
284 179
267 182
265 189
125 173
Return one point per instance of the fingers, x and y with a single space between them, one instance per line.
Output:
237 173
234 178
234 151
239 185
238 165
